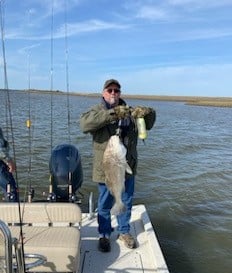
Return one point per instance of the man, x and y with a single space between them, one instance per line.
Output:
102 121
7 167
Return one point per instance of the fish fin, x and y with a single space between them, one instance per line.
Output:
128 169
118 208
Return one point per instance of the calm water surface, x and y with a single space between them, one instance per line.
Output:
184 176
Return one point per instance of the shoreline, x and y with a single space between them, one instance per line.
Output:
188 100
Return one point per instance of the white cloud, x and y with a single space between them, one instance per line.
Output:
200 34
28 48
152 13
153 41
202 80
200 3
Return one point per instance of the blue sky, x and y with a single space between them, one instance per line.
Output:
168 47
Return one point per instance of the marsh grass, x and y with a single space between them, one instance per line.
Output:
188 100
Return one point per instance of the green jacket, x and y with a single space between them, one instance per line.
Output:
102 123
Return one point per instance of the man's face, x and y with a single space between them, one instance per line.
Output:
111 94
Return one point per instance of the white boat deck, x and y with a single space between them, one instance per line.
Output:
61 242
146 258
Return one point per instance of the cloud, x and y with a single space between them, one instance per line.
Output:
199 3
72 29
28 48
90 26
169 10
152 41
200 34
152 13
202 80
56 6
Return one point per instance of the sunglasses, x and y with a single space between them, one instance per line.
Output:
110 90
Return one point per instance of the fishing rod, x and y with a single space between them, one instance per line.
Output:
30 190
28 125
51 74
19 248
72 197
18 243
67 73
52 196
4 64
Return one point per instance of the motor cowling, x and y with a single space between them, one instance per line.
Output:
66 171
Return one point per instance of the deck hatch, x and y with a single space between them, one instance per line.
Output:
95 261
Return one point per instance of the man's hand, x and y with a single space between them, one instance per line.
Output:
122 111
140 111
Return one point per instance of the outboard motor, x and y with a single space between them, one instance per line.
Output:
66 173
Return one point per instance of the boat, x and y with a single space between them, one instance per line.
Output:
147 257
56 235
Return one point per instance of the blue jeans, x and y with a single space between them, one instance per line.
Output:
7 178
105 203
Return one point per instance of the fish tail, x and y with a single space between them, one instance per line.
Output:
118 208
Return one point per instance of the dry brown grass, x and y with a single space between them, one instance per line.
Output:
189 100
216 102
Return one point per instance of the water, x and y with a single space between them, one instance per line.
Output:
184 173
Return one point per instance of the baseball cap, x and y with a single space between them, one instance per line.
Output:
109 82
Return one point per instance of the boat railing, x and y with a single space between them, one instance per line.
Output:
10 263
91 206
6 264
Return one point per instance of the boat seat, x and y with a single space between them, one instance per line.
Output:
49 229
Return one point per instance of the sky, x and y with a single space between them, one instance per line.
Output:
153 47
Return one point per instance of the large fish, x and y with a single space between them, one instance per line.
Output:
115 167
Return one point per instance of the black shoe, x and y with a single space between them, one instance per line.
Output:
104 244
